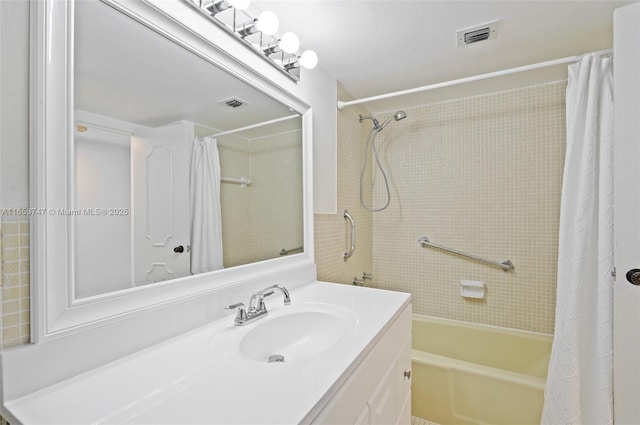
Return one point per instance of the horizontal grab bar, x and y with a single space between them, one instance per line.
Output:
506 265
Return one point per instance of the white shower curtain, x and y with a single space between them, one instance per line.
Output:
206 217
579 387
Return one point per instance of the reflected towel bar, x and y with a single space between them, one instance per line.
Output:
284 251
506 265
242 181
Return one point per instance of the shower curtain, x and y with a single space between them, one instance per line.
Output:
206 216
579 387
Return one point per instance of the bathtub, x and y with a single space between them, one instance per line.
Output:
466 373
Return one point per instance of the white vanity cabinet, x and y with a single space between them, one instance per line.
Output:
379 389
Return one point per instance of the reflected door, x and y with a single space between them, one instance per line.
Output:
160 169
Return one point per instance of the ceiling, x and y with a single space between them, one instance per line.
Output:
379 46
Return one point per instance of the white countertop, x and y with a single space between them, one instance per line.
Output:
201 377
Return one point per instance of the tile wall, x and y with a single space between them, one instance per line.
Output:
277 194
256 220
14 237
482 175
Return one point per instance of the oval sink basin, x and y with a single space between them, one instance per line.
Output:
295 335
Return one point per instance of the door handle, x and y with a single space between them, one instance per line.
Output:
178 249
633 276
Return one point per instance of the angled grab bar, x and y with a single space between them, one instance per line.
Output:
506 265
352 225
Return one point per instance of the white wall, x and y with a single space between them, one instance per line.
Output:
14 103
103 180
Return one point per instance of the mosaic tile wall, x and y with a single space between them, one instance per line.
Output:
14 236
482 175
276 194
249 236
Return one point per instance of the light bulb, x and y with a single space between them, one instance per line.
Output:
308 59
239 4
289 42
268 23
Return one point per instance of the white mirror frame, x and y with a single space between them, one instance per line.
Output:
55 312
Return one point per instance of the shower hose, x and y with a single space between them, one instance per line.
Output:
371 140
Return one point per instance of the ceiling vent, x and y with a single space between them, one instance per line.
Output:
233 102
478 33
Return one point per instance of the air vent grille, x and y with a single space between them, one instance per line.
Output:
478 33
233 102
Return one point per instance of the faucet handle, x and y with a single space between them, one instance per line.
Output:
241 317
261 298
236 305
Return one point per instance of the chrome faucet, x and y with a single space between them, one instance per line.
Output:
360 282
257 308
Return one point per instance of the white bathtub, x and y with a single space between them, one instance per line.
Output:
466 373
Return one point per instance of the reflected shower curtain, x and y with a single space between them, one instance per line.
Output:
579 387
206 216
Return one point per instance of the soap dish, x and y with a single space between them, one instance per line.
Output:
472 289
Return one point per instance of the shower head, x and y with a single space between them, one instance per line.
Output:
400 115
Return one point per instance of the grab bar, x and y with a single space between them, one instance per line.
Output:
352 224
242 181
284 251
505 265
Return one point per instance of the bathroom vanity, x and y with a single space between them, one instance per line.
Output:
345 358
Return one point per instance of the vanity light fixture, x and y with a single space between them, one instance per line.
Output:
289 42
308 59
259 34
217 6
267 23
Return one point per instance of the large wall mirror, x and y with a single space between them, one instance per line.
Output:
175 167
164 186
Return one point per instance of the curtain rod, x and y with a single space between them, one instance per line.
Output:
568 59
81 123
260 124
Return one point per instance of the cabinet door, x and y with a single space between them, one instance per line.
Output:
403 382
364 418
383 402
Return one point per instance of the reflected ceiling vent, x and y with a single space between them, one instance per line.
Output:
233 102
478 33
